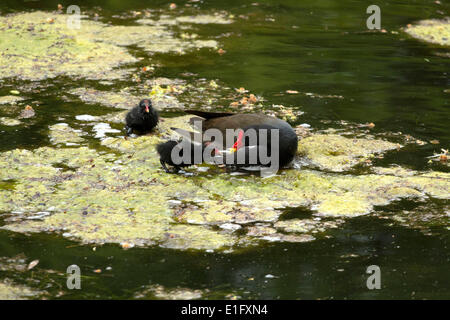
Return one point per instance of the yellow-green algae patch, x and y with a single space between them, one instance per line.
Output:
125 196
160 292
10 99
337 153
123 99
179 46
63 133
267 233
120 100
165 94
93 51
144 146
307 225
150 38
56 50
205 19
10 122
433 30
395 171
9 291
217 18
157 291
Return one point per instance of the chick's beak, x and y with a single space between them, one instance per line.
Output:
146 108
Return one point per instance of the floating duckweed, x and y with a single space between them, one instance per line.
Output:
189 236
306 225
9 121
10 99
86 52
337 153
56 49
343 205
395 171
160 292
127 198
166 20
9 291
434 31
120 100
205 19
63 133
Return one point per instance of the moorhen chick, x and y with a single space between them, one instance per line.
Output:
164 150
142 118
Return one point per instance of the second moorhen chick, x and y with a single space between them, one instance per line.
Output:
165 149
142 118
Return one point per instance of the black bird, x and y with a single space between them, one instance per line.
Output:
165 154
142 118
286 145
253 149
288 140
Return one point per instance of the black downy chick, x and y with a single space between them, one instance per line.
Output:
164 150
142 118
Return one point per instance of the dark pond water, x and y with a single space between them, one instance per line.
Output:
315 46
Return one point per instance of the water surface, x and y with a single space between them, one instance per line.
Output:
320 47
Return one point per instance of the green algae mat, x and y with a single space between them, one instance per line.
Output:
372 153
126 198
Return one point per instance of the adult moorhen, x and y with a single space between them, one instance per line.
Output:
243 145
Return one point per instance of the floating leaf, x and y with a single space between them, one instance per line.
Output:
32 264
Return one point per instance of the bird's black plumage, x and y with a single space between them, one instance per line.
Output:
165 149
287 141
142 118
259 147
262 147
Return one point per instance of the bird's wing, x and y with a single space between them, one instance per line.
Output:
188 135
209 115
